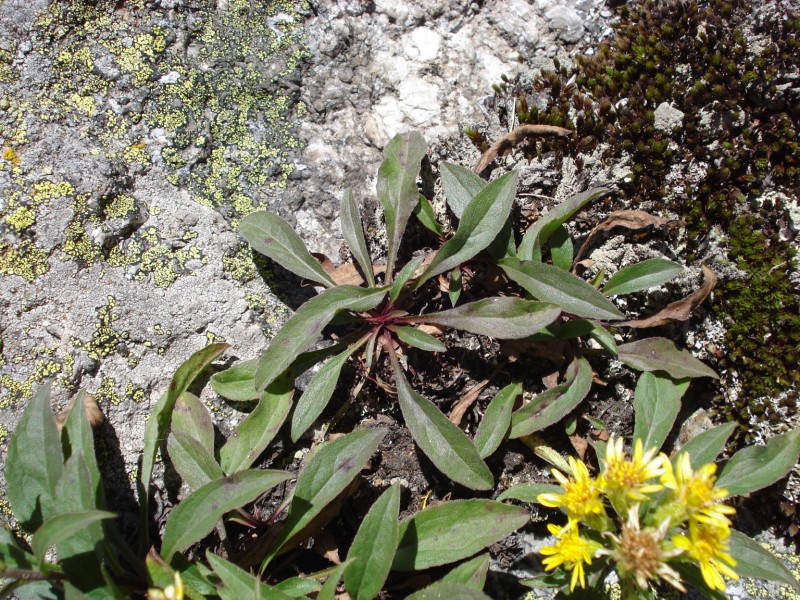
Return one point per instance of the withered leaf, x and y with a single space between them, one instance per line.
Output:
679 310
93 413
467 400
346 273
632 220
505 144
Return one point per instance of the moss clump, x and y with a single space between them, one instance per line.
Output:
738 136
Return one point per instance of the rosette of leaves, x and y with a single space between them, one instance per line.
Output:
55 490
379 312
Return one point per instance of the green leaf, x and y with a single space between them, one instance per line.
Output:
445 590
551 406
61 527
328 591
454 286
238 382
496 421
561 248
299 587
529 492
499 317
254 434
353 232
424 212
471 573
445 444
328 472
192 460
34 463
195 517
404 275
705 448
482 220
753 560
75 494
236 583
373 547
306 325
77 436
191 417
397 189
641 276
453 531
319 391
12 556
581 327
661 354
539 233
273 237
161 416
656 404
418 339
756 467
550 284
460 185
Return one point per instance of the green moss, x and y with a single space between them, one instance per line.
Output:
694 64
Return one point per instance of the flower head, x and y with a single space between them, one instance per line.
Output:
581 498
694 491
708 545
643 553
571 550
630 479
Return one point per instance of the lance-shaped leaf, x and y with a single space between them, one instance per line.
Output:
539 233
404 275
705 447
756 467
497 420
195 517
453 531
445 444
236 583
260 427
418 339
454 286
192 460
302 330
237 383
319 391
373 547
661 354
191 417
270 235
161 417
556 403
353 233
752 560
561 249
397 189
426 216
642 276
530 492
550 284
34 463
471 573
482 220
656 404
61 527
460 186
581 327
499 317
446 590
328 472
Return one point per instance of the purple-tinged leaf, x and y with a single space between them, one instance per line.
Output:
661 354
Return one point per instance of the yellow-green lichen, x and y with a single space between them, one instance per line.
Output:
107 393
105 337
25 260
120 206
47 365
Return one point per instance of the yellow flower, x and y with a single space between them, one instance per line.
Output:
173 591
571 550
581 497
708 545
642 554
694 492
629 479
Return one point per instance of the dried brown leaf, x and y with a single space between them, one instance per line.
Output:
679 310
430 329
467 400
325 545
93 413
631 220
556 351
506 143
580 444
346 273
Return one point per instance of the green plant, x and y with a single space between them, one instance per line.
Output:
384 316
55 492
653 519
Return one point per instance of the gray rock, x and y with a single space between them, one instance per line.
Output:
667 117
566 22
